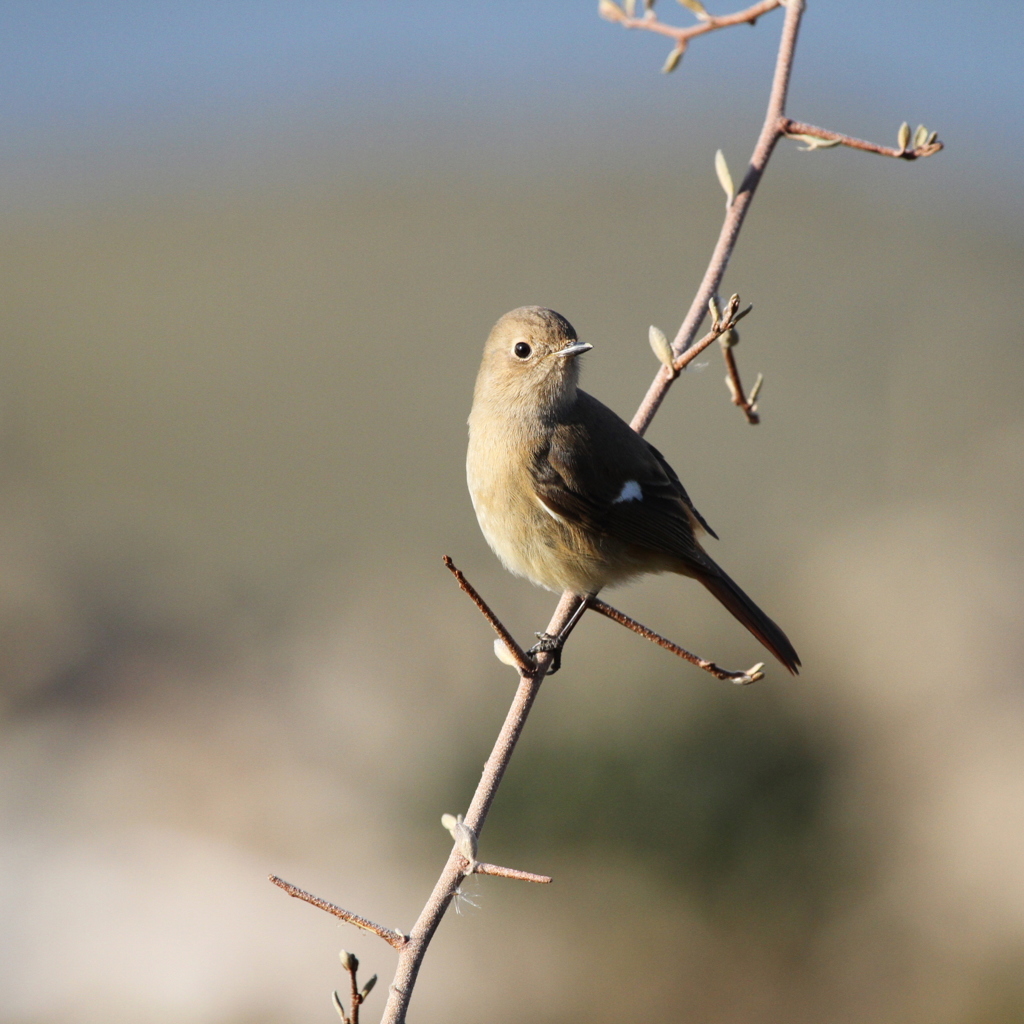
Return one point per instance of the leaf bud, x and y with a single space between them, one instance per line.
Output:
724 177
659 345
340 1007
610 11
465 841
698 8
672 61
503 654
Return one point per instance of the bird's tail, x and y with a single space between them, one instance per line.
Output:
751 616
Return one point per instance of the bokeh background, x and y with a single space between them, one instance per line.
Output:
251 252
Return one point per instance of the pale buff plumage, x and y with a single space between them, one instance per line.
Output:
565 492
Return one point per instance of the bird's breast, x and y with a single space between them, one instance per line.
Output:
530 538
519 531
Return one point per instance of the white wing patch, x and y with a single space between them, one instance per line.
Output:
630 492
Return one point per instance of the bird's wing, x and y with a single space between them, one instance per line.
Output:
597 472
671 474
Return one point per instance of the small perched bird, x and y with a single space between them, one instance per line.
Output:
568 494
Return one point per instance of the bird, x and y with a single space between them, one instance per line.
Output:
567 494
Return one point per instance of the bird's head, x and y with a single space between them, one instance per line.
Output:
530 363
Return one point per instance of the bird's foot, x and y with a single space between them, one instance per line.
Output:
546 643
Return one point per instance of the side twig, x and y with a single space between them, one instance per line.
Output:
520 658
925 144
708 23
748 403
357 996
735 215
721 324
752 675
483 868
389 935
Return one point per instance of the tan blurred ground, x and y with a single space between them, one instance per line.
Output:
232 428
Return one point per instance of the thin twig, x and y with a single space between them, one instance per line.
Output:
354 998
787 126
524 662
483 868
718 328
739 397
752 675
340 1007
389 935
682 36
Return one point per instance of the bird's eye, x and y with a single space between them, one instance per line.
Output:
522 350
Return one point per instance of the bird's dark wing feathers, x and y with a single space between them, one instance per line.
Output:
590 455
671 474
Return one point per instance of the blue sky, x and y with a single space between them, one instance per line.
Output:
120 84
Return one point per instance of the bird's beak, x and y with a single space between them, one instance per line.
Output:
575 349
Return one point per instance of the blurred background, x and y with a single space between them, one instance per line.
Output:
251 253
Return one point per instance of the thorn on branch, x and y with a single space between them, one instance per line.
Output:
389 935
752 675
483 868
526 666
465 843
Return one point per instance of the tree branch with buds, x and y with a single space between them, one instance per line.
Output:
626 16
674 356
357 995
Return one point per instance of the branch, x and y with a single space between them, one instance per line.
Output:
465 842
926 143
482 868
357 996
411 955
748 403
735 214
708 23
752 675
389 935
520 659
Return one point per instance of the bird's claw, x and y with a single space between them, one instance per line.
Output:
548 644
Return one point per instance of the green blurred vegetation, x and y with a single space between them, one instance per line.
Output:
731 803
